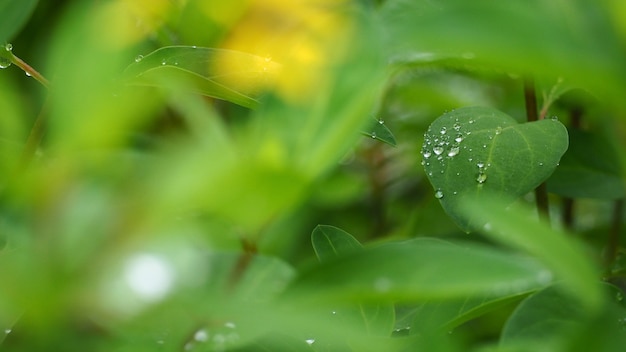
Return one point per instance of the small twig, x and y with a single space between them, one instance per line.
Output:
567 216
29 70
541 192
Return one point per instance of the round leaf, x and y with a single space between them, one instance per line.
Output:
473 150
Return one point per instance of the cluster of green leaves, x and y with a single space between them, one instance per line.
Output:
152 204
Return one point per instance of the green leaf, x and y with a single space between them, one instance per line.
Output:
381 132
446 315
473 150
551 321
374 319
13 15
330 242
589 169
229 75
519 227
421 269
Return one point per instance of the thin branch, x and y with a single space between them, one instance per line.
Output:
541 192
29 70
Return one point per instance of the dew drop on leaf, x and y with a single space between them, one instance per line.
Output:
459 138
27 74
438 150
426 154
163 62
381 122
498 130
374 135
4 62
439 194
443 130
139 58
454 151
482 177
8 47
480 164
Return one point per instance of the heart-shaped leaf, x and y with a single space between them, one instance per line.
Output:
476 150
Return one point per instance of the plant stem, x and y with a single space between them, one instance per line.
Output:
29 70
567 217
541 192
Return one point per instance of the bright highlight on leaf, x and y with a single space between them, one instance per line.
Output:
473 150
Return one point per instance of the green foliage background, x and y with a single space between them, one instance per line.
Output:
157 203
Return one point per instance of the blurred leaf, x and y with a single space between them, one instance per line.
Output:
518 227
375 319
550 321
330 242
421 269
589 169
13 15
229 75
446 315
381 132
473 150
546 38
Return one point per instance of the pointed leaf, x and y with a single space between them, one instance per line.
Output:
230 75
473 150
330 242
420 269
381 132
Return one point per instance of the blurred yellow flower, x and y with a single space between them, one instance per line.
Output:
304 37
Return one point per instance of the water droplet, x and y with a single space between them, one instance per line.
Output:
540 164
438 150
373 135
309 341
8 47
487 227
618 296
480 164
484 146
454 151
456 127
194 47
471 121
334 312
459 138
554 118
439 194
7 331
230 325
201 335
482 177
27 74
426 154
454 193
4 62
163 62
139 58
381 122
443 130
498 130
470 159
